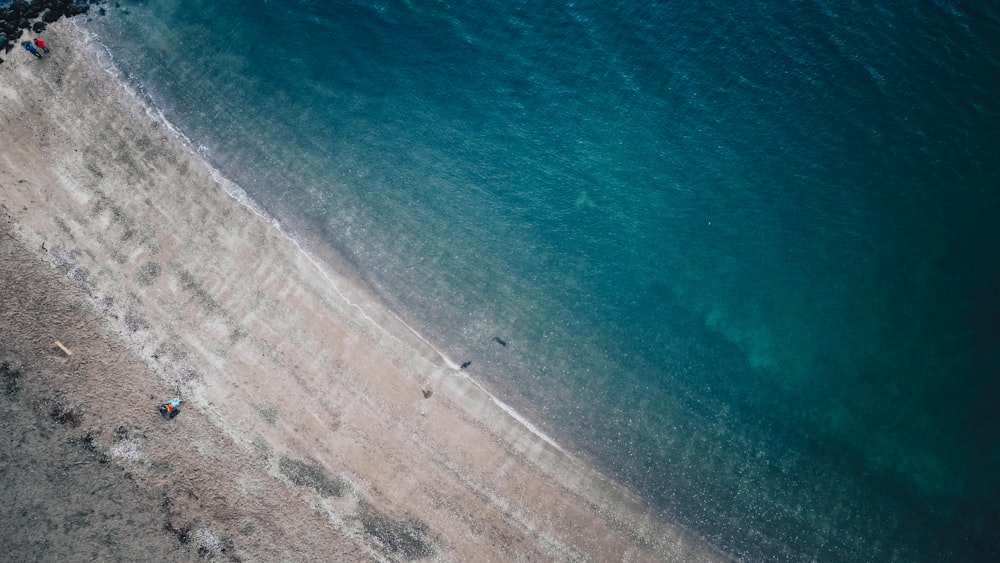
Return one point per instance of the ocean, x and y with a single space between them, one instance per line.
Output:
742 257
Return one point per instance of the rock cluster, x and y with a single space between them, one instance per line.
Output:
34 15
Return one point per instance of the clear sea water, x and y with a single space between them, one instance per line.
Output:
744 255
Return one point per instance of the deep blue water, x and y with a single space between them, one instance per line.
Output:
744 254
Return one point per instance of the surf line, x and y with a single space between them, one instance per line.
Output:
236 192
240 195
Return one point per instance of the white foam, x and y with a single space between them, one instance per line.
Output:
236 192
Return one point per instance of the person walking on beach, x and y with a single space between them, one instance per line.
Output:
40 43
31 49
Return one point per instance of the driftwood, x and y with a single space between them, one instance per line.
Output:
63 348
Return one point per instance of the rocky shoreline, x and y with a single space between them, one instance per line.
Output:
131 277
35 16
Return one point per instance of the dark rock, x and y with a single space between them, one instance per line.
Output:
12 39
22 15
32 13
19 7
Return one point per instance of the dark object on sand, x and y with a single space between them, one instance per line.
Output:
427 393
9 377
171 409
499 341
465 364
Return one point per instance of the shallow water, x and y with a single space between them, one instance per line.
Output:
743 258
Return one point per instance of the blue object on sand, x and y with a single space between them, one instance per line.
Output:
170 409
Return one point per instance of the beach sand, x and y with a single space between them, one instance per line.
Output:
306 433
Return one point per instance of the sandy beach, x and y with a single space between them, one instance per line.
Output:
315 425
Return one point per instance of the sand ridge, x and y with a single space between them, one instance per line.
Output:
306 431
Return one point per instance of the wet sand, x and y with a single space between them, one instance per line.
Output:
315 425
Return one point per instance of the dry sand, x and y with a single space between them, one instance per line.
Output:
305 433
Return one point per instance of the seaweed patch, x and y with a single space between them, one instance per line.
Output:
406 538
304 475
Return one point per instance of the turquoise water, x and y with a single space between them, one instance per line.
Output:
744 257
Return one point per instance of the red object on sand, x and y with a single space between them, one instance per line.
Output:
40 42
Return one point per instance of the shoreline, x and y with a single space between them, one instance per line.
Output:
237 193
213 297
